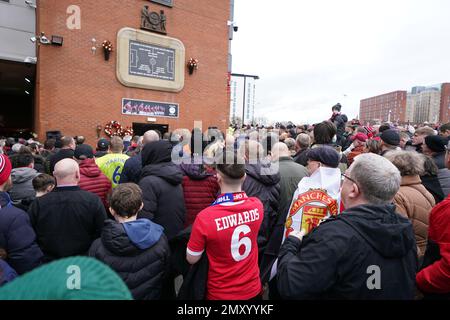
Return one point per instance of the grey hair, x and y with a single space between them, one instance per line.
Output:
378 179
410 163
290 143
303 140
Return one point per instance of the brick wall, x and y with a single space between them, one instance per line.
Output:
445 103
77 90
378 107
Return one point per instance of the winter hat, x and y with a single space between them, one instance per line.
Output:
326 155
103 145
5 169
74 278
337 107
436 143
390 137
360 136
83 151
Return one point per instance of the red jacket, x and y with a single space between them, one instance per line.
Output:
436 277
200 189
93 180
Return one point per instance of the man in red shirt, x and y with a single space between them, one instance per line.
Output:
228 230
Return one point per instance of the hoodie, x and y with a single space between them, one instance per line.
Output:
367 252
138 251
93 180
161 186
22 189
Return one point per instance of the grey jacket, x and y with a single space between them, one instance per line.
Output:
22 189
443 173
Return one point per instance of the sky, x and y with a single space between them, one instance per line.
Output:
310 55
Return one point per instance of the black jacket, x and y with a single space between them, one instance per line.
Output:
340 120
17 237
162 191
67 221
336 261
138 251
431 183
60 155
263 183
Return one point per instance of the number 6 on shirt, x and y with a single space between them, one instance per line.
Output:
236 243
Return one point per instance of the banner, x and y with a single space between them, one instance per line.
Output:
149 108
316 198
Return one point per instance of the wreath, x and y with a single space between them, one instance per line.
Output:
114 128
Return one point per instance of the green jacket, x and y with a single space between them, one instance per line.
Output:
291 173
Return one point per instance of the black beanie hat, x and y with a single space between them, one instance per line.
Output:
436 143
391 137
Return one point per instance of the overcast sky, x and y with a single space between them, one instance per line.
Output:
309 54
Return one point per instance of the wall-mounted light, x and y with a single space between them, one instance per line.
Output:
27 80
27 92
94 46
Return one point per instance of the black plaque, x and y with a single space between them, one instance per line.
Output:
150 108
151 61
167 3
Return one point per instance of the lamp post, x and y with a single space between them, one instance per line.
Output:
245 76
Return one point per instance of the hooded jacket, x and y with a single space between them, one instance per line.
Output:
368 252
22 189
93 180
263 182
138 251
17 237
161 186
200 189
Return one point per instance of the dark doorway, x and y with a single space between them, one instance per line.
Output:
17 86
140 128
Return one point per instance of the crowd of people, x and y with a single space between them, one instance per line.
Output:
210 215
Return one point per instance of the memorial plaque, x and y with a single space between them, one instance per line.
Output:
149 108
167 3
147 60
150 61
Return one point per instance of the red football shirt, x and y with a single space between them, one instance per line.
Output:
229 233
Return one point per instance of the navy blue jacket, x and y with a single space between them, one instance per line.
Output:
17 237
139 252
132 169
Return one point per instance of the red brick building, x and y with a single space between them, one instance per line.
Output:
76 90
378 108
445 103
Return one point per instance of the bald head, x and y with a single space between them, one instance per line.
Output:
67 172
150 136
279 150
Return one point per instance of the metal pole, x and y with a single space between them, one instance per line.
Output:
243 101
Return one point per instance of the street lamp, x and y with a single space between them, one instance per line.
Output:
245 76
